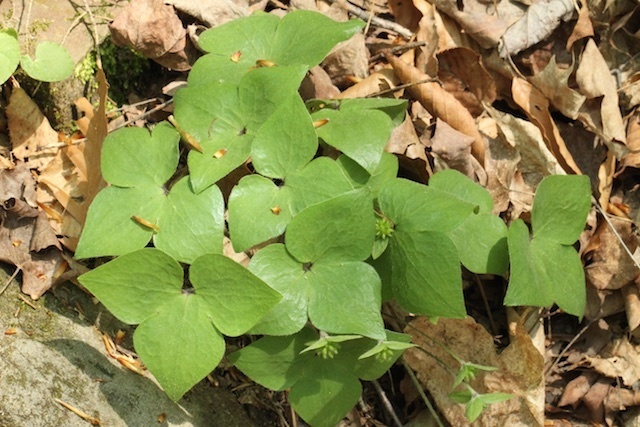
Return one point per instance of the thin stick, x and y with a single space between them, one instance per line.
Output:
93 421
13 276
567 347
396 49
385 402
26 301
382 23
424 397
615 232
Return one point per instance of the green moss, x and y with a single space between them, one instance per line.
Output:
123 66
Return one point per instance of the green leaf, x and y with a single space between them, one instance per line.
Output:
191 224
560 208
258 211
360 134
325 398
9 53
338 297
178 338
52 63
416 207
225 119
320 180
359 177
426 276
110 228
544 272
179 344
265 37
482 244
286 142
460 186
132 158
133 286
340 229
235 299
282 272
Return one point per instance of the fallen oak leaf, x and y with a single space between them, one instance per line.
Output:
439 103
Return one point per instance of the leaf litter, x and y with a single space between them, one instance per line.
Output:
505 92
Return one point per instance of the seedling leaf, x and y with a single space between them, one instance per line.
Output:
52 63
9 53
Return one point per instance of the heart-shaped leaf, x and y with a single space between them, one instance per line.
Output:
52 63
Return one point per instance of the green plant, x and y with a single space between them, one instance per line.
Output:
349 234
52 61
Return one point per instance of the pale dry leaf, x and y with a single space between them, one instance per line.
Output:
405 13
632 158
439 103
539 21
501 163
576 389
620 359
553 82
212 12
427 32
519 371
610 267
317 84
483 23
631 295
29 130
536 107
596 82
583 27
348 59
380 80
605 180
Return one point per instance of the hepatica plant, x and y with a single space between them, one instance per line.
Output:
338 236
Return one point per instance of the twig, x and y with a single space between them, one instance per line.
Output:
78 412
404 86
13 276
566 348
494 329
615 232
26 301
396 49
382 23
424 397
385 402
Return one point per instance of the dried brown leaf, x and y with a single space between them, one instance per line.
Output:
439 103
30 131
596 83
583 27
632 159
519 371
553 82
536 107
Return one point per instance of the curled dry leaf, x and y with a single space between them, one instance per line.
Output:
553 82
212 12
632 158
610 267
348 59
439 103
598 85
381 80
454 149
536 107
519 371
583 27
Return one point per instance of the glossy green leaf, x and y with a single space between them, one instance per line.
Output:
416 207
179 344
482 244
265 37
320 180
322 390
560 208
360 134
133 286
544 272
338 297
52 63
426 276
340 229
133 158
258 210
460 186
387 170
136 208
236 299
9 53
286 142
178 338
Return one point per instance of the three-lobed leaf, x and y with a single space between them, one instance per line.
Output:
179 337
